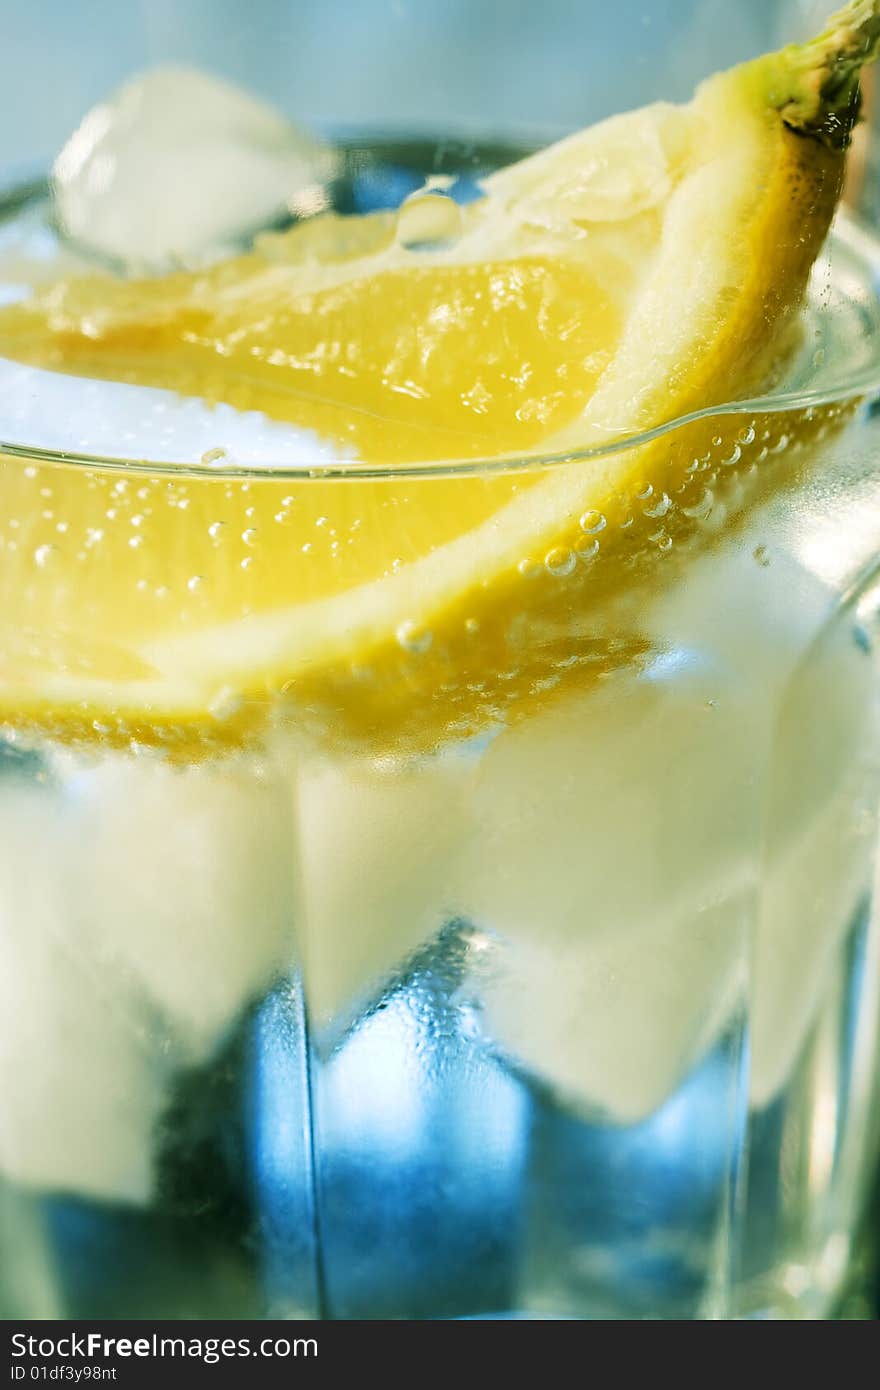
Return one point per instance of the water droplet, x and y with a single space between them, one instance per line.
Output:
249 536
195 582
247 562
528 568
136 542
747 436
215 530
137 520
762 555
413 638
44 554
592 522
560 561
781 445
321 521
716 441
732 458
646 492
427 220
30 471
282 517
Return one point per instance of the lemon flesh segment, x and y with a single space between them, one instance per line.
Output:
635 272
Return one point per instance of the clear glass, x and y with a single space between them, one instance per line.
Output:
570 1011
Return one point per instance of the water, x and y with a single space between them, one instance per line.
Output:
574 1019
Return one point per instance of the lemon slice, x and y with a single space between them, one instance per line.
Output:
624 277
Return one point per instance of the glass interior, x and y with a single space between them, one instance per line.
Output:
535 980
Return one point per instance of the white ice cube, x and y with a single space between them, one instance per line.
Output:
157 908
177 164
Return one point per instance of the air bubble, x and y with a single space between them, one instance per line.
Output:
471 626
660 507
762 555
587 548
732 458
44 555
592 522
717 441
136 542
249 536
560 561
528 568
413 638
247 562
747 436
226 703
701 508
215 530
195 582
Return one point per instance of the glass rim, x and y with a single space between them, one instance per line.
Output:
861 385
849 228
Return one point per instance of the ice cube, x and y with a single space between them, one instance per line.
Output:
178 164
157 909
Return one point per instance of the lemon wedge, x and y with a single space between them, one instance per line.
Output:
620 279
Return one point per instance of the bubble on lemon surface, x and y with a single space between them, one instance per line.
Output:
428 218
